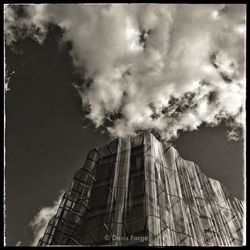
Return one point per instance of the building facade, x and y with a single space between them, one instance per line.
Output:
139 191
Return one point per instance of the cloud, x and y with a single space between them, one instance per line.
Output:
40 221
143 61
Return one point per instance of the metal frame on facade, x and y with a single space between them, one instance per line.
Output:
139 191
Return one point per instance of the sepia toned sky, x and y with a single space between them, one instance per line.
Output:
48 96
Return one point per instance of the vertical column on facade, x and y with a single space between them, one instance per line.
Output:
176 217
120 191
152 209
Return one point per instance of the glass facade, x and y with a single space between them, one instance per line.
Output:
139 191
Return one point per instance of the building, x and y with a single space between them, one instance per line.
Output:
139 191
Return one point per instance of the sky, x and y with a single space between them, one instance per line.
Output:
78 76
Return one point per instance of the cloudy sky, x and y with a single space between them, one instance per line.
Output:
80 75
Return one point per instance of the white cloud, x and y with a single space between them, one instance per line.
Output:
40 221
140 56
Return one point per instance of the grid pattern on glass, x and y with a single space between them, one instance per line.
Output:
137 187
73 206
184 203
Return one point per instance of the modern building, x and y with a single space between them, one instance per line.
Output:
139 191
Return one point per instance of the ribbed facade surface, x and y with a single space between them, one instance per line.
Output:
139 191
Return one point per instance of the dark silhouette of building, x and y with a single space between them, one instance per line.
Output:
139 191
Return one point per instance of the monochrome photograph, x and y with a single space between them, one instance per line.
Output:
124 124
